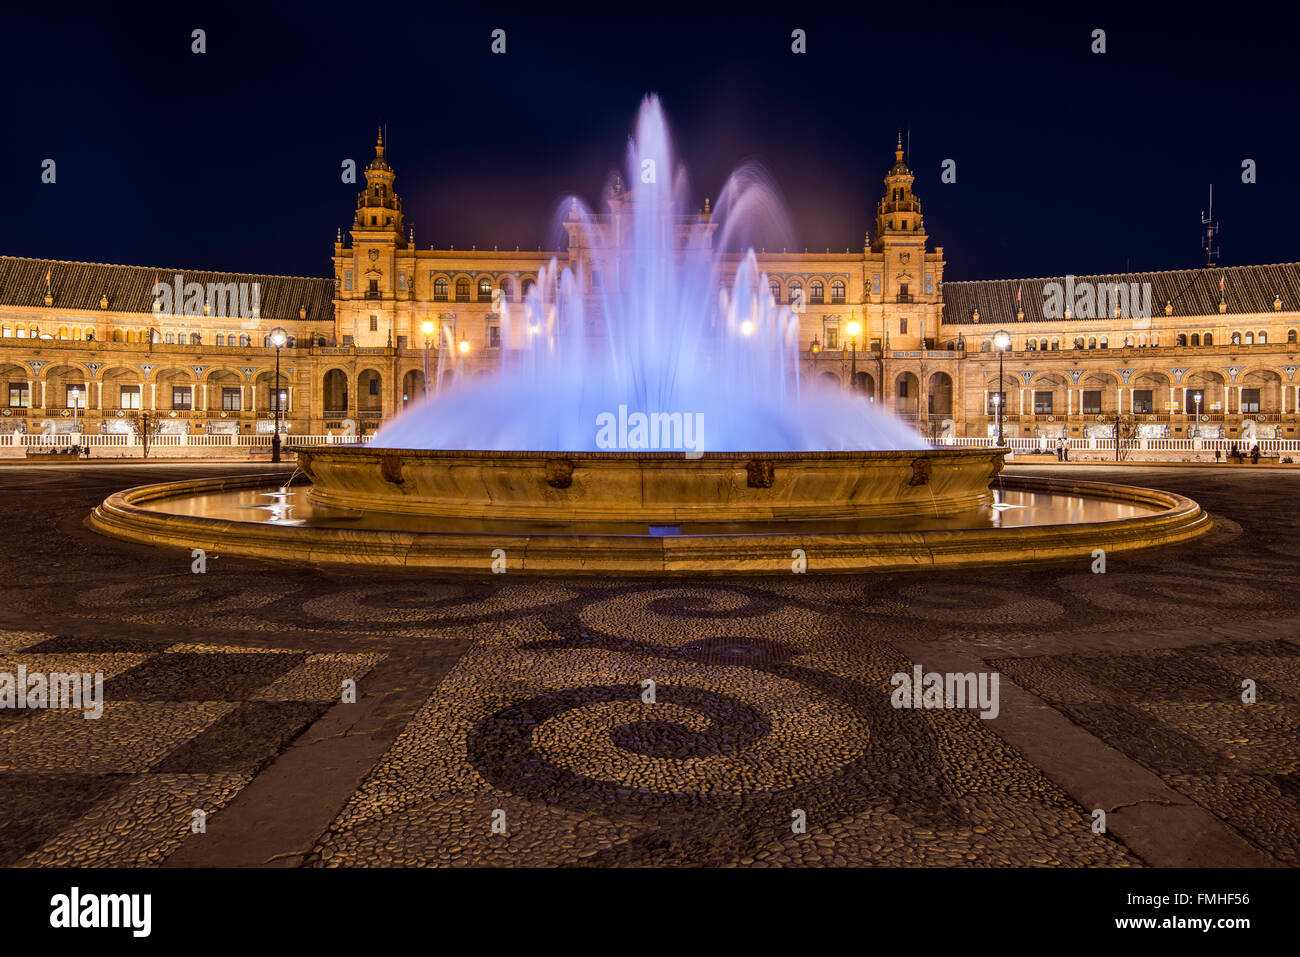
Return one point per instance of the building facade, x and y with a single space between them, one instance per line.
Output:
98 348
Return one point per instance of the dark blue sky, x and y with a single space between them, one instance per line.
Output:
1066 161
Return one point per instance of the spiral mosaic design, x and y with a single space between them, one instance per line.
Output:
523 700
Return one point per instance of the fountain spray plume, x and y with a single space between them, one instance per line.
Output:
654 313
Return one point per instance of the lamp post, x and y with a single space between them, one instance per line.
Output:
854 327
278 339
1000 341
1196 427
815 350
427 328
76 400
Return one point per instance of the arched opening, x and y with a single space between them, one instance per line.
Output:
1261 393
1097 394
412 387
225 393
370 399
907 395
334 392
269 398
121 387
176 391
939 396
1209 385
865 385
1150 393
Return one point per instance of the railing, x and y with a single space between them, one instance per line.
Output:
1266 446
41 440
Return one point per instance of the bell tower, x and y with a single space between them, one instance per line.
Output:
372 275
379 208
898 215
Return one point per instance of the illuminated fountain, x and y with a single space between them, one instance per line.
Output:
661 384
648 415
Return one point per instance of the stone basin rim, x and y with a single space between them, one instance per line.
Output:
1181 520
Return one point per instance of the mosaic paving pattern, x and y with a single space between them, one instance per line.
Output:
505 721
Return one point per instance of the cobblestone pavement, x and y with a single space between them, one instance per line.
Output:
502 720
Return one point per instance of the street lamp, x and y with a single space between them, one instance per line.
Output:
854 327
278 339
76 397
815 350
1001 342
427 328
1196 427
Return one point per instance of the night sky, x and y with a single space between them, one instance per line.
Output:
1066 161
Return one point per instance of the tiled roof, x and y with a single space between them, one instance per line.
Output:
130 288
1193 292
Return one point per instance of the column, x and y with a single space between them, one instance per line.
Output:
153 396
252 398
203 386
1022 400
42 393
1119 399
1239 388
31 392
1131 389
1172 399
1069 401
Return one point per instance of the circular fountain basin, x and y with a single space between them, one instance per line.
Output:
1030 518
650 487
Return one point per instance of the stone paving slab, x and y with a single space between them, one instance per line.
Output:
520 704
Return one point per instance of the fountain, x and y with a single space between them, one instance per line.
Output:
649 415
655 380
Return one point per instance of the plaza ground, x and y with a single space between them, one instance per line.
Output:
500 720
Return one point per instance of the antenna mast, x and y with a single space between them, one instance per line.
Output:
1210 243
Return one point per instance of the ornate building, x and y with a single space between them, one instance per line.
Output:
1216 352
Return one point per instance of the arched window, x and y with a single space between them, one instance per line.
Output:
117 336
1250 338
195 339
1128 342
1105 343
774 288
1196 338
507 288
1262 338
63 332
1290 336
525 287
1236 338
1208 339
986 346
794 289
221 340
1031 346
462 290
76 333
1092 343
484 289
171 338
440 289
1056 344
816 292
1078 342
837 291
1180 340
